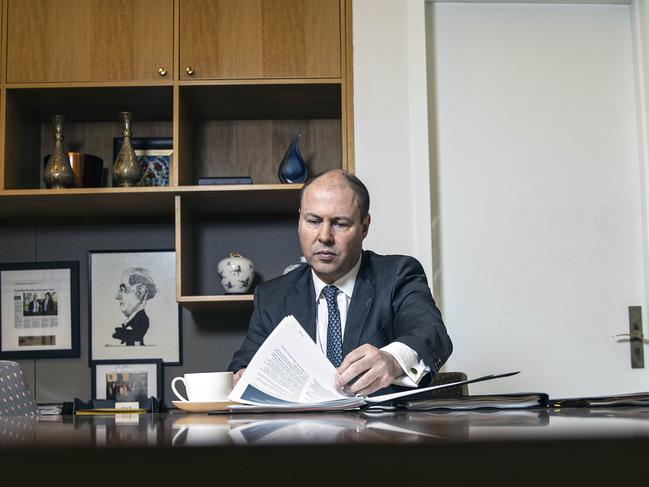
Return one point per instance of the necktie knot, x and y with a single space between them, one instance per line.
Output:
330 293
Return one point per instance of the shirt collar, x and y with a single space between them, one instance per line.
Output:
345 283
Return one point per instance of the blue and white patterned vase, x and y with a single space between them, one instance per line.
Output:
236 273
293 168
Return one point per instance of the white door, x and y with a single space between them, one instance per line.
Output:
537 167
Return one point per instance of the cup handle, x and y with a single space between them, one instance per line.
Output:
175 441
173 388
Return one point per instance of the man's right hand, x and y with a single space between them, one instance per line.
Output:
237 376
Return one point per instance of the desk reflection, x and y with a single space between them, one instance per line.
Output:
499 447
178 430
199 430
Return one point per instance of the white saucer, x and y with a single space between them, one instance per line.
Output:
202 407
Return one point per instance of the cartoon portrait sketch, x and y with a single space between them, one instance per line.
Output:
134 291
134 314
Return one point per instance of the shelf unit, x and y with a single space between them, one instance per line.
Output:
235 115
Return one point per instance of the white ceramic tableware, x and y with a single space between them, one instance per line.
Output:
204 386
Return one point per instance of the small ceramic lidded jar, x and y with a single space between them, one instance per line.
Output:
236 273
289 268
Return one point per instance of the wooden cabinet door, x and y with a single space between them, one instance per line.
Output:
231 39
88 40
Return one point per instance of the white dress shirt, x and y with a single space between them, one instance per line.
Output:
414 368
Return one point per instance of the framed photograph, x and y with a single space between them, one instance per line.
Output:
133 310
155 156
127 380
39 310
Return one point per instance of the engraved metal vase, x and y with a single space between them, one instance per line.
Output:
127 170
58 171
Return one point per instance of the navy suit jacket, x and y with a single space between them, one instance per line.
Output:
391 302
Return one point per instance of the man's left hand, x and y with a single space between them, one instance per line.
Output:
372 368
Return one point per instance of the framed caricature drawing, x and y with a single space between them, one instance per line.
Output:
133 310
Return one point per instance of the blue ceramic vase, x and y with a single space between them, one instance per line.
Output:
293 168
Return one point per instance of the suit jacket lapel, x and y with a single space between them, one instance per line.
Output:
302 304
359 307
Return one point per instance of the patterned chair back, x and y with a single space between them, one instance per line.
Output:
448 378
15 397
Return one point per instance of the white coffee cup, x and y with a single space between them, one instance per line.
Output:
205 386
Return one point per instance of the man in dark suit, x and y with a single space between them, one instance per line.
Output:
373 316
48 304
135 290
33 308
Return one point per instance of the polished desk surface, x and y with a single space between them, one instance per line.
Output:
523 445
397 428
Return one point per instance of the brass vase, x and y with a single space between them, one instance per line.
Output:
127 170
58 171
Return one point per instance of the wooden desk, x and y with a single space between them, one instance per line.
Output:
540 447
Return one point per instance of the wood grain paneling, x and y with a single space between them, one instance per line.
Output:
88 40
230 39
184 250
141 203
184 140
348 91
256 147
265 70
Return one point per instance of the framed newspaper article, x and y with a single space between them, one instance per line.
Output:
134 314
39 310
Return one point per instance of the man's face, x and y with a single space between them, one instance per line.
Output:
330 229
126 297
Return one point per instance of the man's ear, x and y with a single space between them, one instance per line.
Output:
140 291
366 225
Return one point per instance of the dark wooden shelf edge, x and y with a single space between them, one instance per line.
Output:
220 302
21 205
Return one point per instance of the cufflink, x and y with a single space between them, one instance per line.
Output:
413 370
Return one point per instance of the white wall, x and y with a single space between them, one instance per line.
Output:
540 193
390 124
487 307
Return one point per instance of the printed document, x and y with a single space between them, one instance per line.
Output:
289 373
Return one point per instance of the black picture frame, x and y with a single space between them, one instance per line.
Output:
154 380
42 299
151 152
116 333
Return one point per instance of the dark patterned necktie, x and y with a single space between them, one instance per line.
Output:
334 327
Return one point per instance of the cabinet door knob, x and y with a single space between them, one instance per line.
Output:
189 70
162 71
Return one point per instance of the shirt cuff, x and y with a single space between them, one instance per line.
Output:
414 368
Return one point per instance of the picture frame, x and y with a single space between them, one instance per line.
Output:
39 310
133 313
155 154
127 380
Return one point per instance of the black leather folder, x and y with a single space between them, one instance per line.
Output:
522 400
633 399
